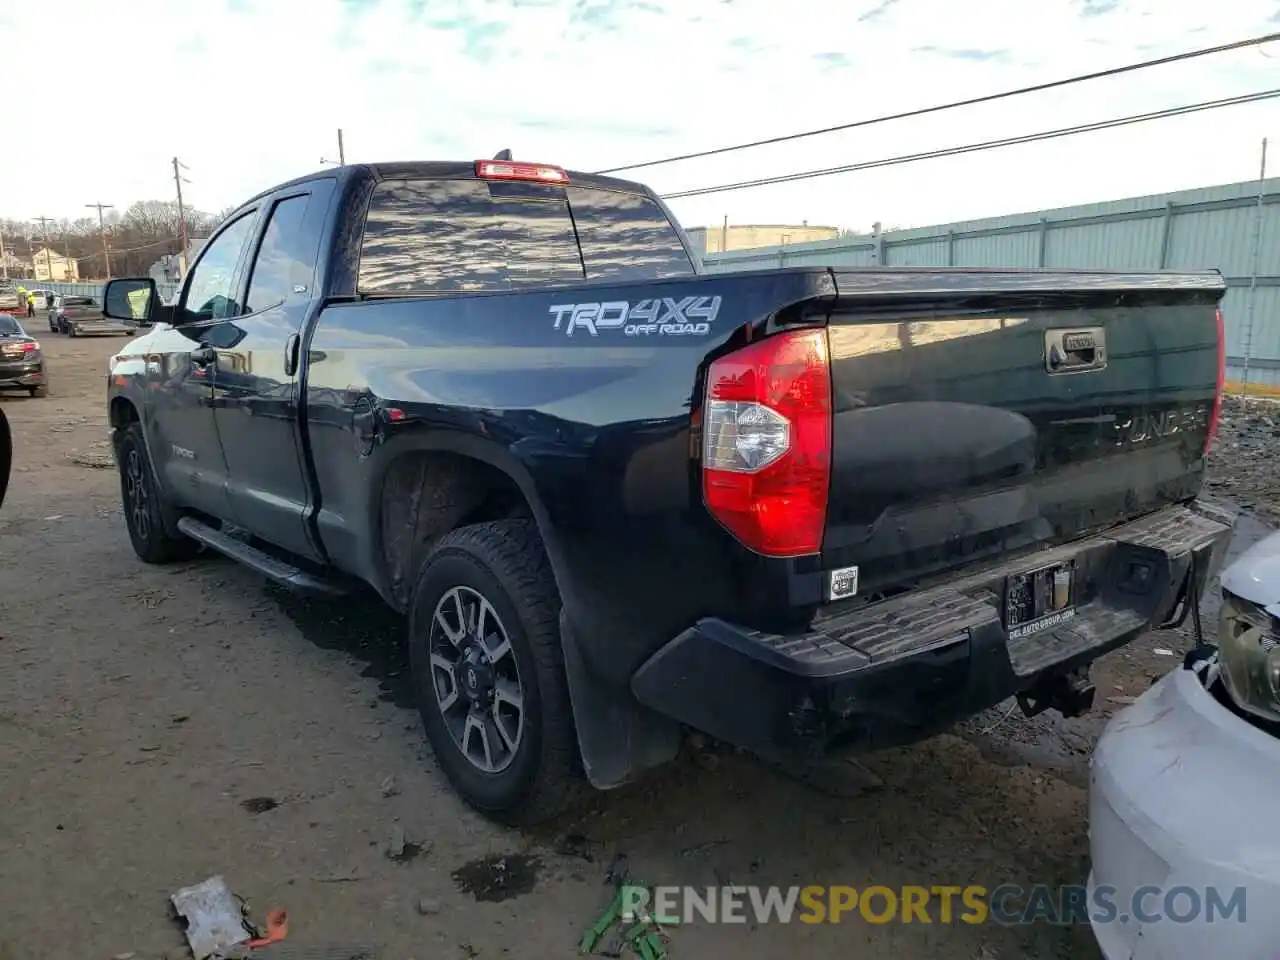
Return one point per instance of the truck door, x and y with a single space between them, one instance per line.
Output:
183 439
256 381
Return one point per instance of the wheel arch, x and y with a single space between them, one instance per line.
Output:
617 737
426 484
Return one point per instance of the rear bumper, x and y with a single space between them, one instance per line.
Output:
903 669
21 374
97 328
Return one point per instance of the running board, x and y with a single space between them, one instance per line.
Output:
281 571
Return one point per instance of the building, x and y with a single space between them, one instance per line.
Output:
747 236
172 267
12 265
50 266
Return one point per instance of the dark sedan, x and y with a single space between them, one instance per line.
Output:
22 365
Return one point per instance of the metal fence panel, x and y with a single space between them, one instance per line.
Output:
1221 228
166 290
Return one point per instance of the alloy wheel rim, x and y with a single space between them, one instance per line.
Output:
136 494
476 679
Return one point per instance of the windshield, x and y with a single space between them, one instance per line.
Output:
9 326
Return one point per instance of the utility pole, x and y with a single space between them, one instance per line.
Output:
1253 277
342 154
102 229
4 258
44 232
182 214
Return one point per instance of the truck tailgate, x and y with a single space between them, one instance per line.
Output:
982 412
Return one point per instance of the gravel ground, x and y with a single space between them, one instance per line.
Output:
161 725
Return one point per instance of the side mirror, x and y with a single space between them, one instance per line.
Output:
134 300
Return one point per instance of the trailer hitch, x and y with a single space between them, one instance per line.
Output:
1071 694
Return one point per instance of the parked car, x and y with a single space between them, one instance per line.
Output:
6 455
801 510
81 316
22 364
1182 779
10 302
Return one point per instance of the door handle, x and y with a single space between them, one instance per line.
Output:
202 356
291 354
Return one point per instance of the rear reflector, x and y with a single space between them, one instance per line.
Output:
510 170
1215 413
766 456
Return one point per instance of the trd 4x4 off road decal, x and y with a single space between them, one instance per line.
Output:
662 317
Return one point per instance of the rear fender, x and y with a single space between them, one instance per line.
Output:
617 737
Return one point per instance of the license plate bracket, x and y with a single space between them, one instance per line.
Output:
1039 599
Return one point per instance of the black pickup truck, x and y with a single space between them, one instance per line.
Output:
804 511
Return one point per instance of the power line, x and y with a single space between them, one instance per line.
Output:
984 145
145 246
938 108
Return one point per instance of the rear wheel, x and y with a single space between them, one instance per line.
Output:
484 645
144 505
40 391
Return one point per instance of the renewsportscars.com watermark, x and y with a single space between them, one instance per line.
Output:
1008 905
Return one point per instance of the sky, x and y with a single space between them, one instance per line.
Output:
249 93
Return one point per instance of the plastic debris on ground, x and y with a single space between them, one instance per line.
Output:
216 925
215 918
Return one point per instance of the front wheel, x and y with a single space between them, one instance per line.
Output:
144 505
484 646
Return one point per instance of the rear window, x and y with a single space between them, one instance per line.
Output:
463 236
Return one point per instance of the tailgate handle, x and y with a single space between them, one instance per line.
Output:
1076 350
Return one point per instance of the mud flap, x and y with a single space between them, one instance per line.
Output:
618 738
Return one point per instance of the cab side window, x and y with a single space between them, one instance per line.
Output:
286 257
211 291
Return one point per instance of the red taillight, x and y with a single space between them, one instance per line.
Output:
1215 412
31 347
511 170
766 452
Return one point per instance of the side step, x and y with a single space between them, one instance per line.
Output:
282 572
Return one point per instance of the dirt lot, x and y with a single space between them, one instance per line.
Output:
160 725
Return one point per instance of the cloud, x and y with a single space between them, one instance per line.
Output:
1097 8
832 59
251 92
976 55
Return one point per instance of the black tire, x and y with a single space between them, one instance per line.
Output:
40 391
144 515
72 331
504 563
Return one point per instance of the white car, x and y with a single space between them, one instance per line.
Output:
1182 788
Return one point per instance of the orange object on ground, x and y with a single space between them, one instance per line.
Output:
277 929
